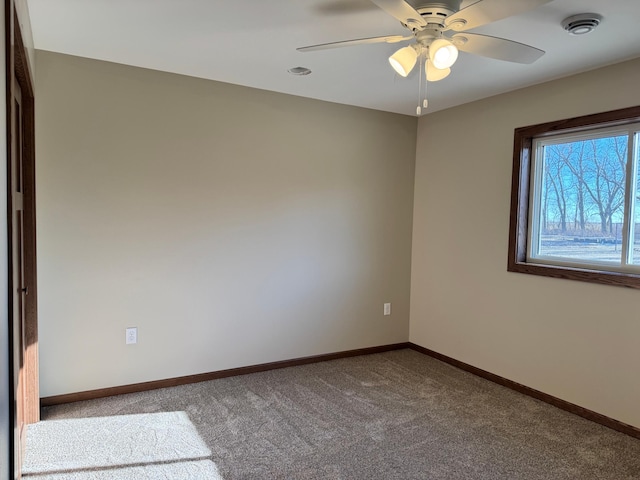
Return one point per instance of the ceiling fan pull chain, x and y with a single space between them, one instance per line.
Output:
425 102
418 109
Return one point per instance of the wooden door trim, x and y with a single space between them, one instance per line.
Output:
14 466
17 66
25 79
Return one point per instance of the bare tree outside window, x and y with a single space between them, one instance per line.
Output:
583 199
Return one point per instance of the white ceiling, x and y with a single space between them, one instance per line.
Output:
253 43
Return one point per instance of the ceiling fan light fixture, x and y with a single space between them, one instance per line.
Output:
435 74
442 53
404 60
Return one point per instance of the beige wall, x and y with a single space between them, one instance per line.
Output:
574 340
232 226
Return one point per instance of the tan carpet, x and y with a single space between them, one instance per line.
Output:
152 445
396 415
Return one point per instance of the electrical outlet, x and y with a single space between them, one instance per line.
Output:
387 309
131 335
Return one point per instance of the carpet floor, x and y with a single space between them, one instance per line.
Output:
395 415
120 447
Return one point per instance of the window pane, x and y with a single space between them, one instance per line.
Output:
582 199
636 214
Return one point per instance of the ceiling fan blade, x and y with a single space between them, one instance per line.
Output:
402 11
498 48
487 11
359 41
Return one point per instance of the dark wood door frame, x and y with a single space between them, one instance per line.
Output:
25 80
18 70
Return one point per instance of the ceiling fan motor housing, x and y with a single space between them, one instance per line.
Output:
435 12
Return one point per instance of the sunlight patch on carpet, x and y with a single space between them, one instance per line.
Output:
156 445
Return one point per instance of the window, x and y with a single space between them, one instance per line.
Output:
575 207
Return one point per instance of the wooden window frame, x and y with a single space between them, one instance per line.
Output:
520 196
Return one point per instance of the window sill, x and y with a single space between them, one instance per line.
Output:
571 273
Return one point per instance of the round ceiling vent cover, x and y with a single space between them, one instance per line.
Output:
581 24
299 71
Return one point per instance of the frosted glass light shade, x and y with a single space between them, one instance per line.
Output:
404 60
442 53
434 74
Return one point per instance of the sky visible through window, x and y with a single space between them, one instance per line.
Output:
581 199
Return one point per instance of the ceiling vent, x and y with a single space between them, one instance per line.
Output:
581 24
299 71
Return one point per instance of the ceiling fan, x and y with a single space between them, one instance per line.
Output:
439 30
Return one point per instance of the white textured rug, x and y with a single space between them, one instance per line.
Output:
147 446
